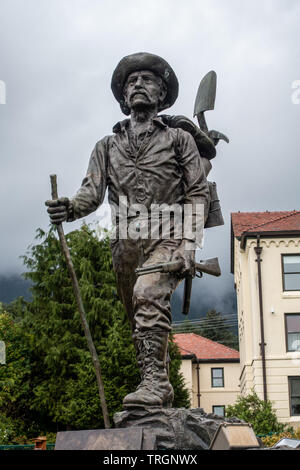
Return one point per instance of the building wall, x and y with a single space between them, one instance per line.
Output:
280 364
186 369
211 396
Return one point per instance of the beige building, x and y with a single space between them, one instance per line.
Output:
265 253
211 372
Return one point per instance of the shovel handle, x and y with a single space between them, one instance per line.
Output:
202 122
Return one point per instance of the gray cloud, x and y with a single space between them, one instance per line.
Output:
57 59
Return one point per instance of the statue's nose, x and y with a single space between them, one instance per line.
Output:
139 82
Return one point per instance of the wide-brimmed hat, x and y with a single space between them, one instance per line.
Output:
144 61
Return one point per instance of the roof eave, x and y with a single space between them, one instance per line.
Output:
188 356
217 360
266 234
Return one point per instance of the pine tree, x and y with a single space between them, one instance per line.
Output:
181 394
214 327
60 349
62 384
14 379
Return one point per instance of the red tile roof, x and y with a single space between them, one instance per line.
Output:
284 221
203 348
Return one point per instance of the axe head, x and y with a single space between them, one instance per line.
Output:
206 95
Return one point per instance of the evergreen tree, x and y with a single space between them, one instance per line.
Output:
214 327
60 349
184 327
60 387
181 394
14 379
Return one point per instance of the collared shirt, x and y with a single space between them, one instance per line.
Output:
165 169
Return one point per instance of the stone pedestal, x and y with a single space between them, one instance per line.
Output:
174 428
106 439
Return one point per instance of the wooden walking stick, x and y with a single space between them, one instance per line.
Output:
84 322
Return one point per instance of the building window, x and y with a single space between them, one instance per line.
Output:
291 272
294 387
217 377
292 327
219 410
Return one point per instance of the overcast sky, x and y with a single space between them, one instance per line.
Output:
57 58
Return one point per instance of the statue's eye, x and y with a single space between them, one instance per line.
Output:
131 81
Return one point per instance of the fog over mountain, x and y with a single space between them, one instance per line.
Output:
12 287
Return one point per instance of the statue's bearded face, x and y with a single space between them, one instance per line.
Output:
144 89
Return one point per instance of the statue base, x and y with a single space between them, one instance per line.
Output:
174 428
106 439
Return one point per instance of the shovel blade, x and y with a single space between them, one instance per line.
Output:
206 95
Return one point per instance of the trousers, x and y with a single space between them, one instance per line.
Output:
146 298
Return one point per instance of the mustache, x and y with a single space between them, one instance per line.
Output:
141 92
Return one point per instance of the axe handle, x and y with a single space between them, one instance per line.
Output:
202 122
187 294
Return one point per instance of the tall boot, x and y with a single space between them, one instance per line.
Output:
155 388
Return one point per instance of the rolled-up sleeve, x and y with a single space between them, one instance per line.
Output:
92 191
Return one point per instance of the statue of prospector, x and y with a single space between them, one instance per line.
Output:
151 160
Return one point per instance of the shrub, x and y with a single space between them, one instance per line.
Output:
270 441
257 412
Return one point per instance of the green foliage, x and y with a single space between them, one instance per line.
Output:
270 441
10 429
181 394
14 380
213 327
257 412
49 382
16 370
62 372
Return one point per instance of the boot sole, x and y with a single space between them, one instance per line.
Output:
137 405
166 404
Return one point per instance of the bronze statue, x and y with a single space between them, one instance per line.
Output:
150 160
